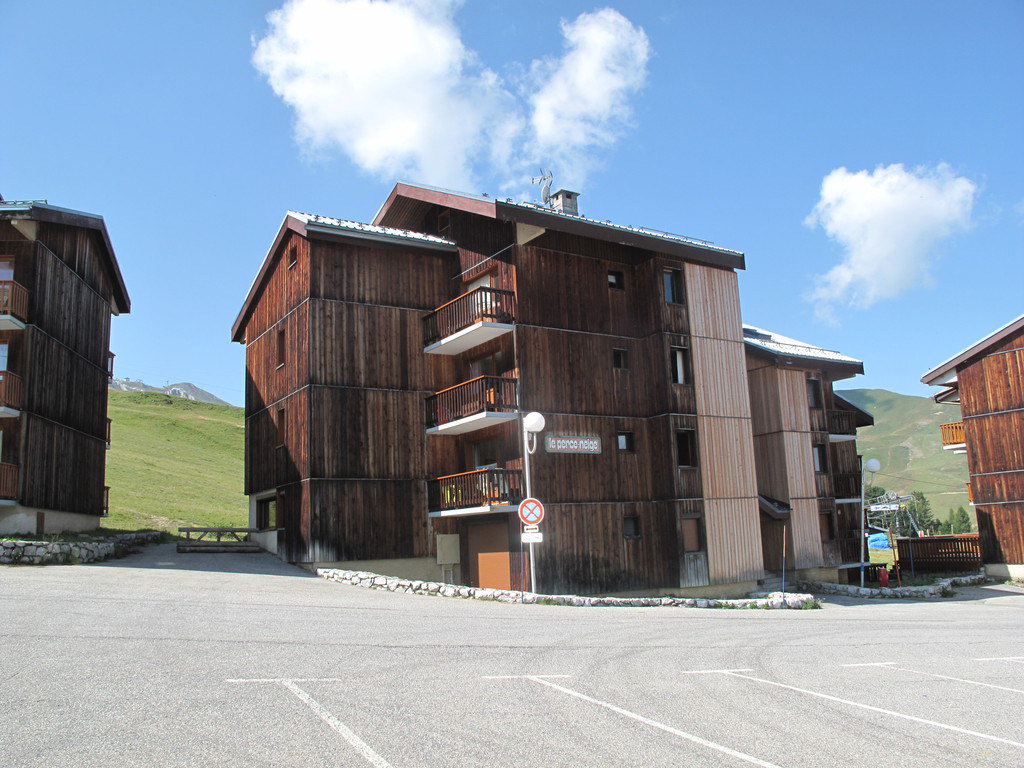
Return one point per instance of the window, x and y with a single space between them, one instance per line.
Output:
820 451
631 527
293 256
624 442
673 279
266 513
690 531
444 223
6 269
814 399
616 280
827 526
686 448
282 427
620 359
681 371
3 356
280 347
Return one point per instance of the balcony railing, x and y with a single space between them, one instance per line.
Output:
953 433
8 481
846 485
107 432
110 364
106 500
842 551
10 390
480 488
13 299
482 395
841 423
480 304
970 494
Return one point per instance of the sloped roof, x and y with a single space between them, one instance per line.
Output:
777 345
306 224
408 202
944 374
40 210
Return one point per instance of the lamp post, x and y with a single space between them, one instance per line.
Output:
533 423
872 466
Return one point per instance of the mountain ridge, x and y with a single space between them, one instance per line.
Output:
183 389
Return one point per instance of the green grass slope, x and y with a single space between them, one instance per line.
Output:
174 462
907 441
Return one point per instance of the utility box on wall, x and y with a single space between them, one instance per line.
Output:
447 549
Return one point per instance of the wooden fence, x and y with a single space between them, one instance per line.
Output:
479 304
940 554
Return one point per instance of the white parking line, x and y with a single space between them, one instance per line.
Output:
518 677
339 727
647 721
1014 659
878 709
711 671
892 665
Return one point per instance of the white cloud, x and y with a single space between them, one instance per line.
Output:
890 222
392 85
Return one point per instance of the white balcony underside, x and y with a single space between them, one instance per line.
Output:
8 413
852 500
470 511
956 447
9 322
841 438
472 423
477 334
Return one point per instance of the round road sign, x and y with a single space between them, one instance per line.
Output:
531 511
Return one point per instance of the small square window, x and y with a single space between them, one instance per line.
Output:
616 280
620 359
686 448
624 442
293 256
631 527
282 426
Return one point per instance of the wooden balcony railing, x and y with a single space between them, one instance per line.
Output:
849 549
479 395
10 390
106 500
8 481
953 433
846 485
970 493
109 424
480 488
479 304
841 423
110 364
13 299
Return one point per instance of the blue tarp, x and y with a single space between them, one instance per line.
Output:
878 541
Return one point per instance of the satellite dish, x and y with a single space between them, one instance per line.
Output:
545 192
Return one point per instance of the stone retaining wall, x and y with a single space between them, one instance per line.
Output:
85 551
438 589
849 590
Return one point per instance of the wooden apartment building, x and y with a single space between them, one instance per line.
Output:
388 364
59 285
987 380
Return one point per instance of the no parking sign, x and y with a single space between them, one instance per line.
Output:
531 511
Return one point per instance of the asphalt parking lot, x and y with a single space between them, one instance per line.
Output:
161 659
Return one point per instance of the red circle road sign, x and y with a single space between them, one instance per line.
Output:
531 511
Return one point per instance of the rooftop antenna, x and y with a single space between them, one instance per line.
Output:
545 181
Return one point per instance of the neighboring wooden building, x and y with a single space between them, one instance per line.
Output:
387 366
987 380
808 469
59 285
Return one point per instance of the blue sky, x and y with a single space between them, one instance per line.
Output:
723 123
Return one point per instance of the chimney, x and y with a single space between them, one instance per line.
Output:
564 201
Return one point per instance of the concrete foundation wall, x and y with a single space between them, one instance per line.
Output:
1005 571
15 519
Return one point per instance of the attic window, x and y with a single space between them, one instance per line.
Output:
631 527
616 280
620 359
293 256
444 223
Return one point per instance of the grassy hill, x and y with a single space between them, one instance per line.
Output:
174 462
906 440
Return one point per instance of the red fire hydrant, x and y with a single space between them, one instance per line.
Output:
883 577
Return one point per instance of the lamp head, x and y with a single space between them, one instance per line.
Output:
533 422
872 465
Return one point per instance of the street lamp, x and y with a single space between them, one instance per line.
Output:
872 466
533 423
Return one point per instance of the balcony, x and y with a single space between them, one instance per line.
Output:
468 321
110 364
106 435
970 495
472 405
13 306
106 501
842 551
10 395
953 437
8 481
846 486
475 493
842 426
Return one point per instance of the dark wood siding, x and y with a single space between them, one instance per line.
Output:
61 469
63 386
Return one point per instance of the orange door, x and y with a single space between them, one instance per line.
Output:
489 562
